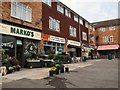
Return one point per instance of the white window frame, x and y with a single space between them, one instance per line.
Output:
48 2
72 31
68 13
112 28
21 11
81 21
102 29
75 17
54 24
60 8
108 39
86 24
84 36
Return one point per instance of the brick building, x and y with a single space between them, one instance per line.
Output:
107 37
44 27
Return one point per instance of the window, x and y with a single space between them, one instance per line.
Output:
48 2
60 8
81 21
21 11
72 31
67 13
112 28
102 29
76 18
107 38
84 36
86 24
54 24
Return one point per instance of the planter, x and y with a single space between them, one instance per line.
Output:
34 63
51 73
66 69
57 71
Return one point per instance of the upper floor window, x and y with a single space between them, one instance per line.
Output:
60 8
86 24
102 29
76 18
67 13
81 21
21 11
48 2
72 31
112 28
107 38
84 36
54 24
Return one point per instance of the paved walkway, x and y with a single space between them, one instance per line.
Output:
39 73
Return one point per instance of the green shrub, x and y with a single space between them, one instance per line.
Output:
51 56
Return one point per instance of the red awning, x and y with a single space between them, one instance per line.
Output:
108 47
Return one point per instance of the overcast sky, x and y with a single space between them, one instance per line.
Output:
94 10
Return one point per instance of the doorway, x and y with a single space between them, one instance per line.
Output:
19 53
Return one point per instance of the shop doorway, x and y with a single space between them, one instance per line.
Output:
19 53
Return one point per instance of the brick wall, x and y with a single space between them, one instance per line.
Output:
65 22
36 13
107 33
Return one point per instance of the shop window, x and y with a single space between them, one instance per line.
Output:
31 50
8 45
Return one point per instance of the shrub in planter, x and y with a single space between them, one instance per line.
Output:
56 58
14 68
10 70
51 56
52 71
58 68
18 67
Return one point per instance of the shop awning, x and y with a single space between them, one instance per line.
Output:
108 47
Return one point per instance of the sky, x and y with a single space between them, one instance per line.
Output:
94 10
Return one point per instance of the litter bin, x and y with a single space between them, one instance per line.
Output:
109 57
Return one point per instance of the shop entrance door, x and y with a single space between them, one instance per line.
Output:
19 54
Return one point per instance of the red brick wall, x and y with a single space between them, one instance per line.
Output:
107 33
36 13
65 22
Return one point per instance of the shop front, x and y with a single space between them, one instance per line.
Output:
105 50
19 42
74 48
53 44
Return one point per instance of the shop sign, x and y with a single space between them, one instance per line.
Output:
57 39
74 43
52 38
46 37
20 32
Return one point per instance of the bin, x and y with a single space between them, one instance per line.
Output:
109 57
